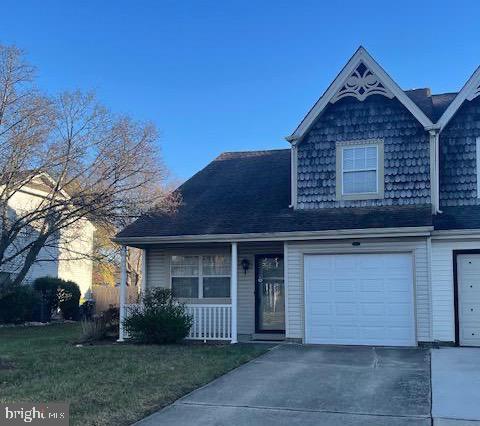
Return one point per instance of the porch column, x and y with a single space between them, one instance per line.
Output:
233 291
123 290
143 286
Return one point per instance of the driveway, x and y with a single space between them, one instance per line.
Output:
313 385
456 386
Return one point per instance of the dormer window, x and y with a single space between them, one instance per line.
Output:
360 170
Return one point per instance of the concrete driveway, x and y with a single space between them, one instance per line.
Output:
456 386
312 385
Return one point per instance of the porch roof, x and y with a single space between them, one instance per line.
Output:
249 192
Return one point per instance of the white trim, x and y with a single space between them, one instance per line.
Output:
233 290
477 163
294 176
469 91
122 292
285 287
143 287
360 56
419 231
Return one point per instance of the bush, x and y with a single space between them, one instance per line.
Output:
69 299
47 287
161 319
93 330
87 309
17 305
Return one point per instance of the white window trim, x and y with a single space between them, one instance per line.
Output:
366 169
477 164
380 175
200 275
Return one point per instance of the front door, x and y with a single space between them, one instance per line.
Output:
269 294
468 304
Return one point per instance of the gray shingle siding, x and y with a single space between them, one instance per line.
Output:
458 173
407 154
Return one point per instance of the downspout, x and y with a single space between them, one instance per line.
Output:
435 170
293 177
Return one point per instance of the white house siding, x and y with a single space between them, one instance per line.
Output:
417 246
442 286
73 264
51 261
158 274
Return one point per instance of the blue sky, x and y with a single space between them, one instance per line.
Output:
226 75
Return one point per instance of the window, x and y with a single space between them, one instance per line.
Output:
359 170
200 276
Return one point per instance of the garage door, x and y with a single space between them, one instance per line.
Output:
468 281
359 299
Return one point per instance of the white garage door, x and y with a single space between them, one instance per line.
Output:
359 299
468 281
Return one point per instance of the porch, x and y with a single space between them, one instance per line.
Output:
234 292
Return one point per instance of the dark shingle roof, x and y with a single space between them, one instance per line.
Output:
432 105
458 217
249 192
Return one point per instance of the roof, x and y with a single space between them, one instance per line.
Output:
458 217
432 105
249 192
360 77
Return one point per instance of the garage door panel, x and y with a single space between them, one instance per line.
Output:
362 299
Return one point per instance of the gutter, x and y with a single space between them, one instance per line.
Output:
420 231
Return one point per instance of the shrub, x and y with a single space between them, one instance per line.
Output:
47 287
57 293
69 299
111 317
93 330
161 319
87 309
17 305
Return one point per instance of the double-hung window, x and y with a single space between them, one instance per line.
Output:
205 276
359 170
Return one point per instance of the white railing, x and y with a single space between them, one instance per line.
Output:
210 322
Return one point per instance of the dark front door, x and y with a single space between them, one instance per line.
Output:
269 294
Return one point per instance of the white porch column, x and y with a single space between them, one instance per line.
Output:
123 290
143 286
233 291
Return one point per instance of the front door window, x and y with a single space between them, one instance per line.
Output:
270 294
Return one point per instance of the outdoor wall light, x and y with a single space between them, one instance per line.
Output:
245 265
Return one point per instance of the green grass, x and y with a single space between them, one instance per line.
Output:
107 384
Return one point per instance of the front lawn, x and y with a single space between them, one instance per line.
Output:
107 384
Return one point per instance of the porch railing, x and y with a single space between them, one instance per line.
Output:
210 321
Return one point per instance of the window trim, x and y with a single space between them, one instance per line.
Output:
200 275
477 163
380 171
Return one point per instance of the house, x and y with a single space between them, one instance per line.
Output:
67 255
364 232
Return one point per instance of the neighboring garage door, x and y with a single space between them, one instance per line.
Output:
359 299
468 281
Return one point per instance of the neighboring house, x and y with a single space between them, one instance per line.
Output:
67 255
365 231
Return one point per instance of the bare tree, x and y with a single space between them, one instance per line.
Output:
101 167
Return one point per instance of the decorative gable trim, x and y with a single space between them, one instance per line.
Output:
360 78
469 91
362 83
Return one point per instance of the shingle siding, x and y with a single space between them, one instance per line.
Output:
458 169
407 153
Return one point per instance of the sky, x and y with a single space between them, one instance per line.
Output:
217 76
